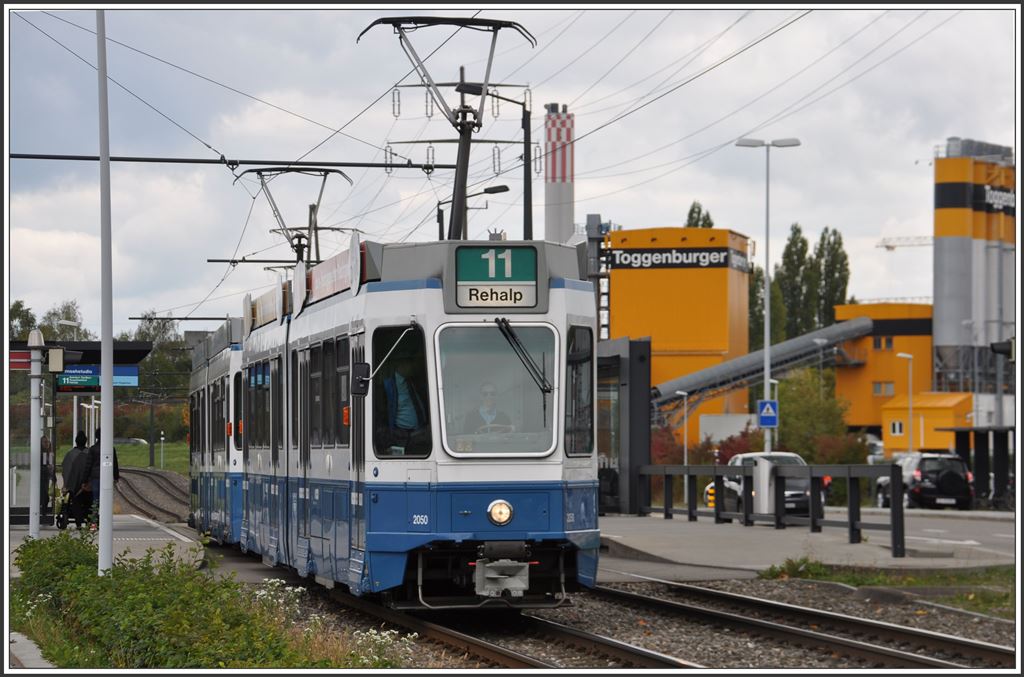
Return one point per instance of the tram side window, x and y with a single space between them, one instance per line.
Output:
236 395
249 429
293 376
401 413
275 404
316 383
329 396
265 405
202 424
341 408
193 440
218 430
579 392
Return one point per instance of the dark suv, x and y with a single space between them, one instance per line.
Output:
931 480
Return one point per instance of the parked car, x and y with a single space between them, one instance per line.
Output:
933 480
798 489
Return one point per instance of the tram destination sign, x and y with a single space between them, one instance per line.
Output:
489 277
85 378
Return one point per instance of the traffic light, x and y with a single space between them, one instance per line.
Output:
1007 347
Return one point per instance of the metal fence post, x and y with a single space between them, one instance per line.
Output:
814 504
780 500
668 494
691 496
896 510
853 507
719 497
748 498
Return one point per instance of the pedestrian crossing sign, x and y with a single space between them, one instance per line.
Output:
768 413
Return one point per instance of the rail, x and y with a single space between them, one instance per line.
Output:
815 520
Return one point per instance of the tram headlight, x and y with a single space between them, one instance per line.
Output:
500 512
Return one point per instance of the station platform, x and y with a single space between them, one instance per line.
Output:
680 550
132 535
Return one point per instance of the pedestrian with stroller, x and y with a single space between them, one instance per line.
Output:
76 482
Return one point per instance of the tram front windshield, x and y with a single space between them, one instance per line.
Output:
494 398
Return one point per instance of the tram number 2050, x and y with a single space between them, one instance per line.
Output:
420 519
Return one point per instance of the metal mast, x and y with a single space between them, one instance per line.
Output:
465 118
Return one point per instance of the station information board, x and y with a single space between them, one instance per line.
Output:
85 378
491 277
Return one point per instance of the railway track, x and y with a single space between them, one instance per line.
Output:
874 643
960 650
490 645
151 495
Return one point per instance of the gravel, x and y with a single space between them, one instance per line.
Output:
714 647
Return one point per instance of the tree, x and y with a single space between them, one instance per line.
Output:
833 268
798 281
165 371
698 218
755 309
807 412
20 321
53 330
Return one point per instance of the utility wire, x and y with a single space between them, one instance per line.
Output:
785 113
231 267
589 49
746 105
707 70
215 82
554 40
622 58
149 105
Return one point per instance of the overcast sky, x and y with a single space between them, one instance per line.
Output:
870 92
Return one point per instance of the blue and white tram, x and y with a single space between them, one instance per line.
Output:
370 457
215 445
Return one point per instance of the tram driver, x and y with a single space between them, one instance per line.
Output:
487 418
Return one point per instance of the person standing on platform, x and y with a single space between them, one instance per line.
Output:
76 481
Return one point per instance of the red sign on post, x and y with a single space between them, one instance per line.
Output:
21 360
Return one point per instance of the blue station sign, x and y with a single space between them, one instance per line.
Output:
85 378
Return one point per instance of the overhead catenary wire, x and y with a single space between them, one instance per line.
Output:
214 81
750 102
787 112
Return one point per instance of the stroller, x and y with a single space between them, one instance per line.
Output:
62 509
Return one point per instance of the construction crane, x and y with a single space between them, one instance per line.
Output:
890 243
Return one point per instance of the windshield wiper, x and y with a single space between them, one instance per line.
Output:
524 356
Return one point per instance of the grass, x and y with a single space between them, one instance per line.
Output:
991 591
175 456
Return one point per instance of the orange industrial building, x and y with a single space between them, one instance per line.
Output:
868 371
687 289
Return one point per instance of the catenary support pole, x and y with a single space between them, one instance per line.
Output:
35 342
106 516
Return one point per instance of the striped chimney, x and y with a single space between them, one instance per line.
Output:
559 174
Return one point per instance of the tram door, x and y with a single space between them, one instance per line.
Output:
358 419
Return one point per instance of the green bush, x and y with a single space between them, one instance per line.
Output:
153 612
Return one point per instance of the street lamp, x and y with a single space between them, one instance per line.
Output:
820 342
440 213
476 89
686 440
910 398
757 143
